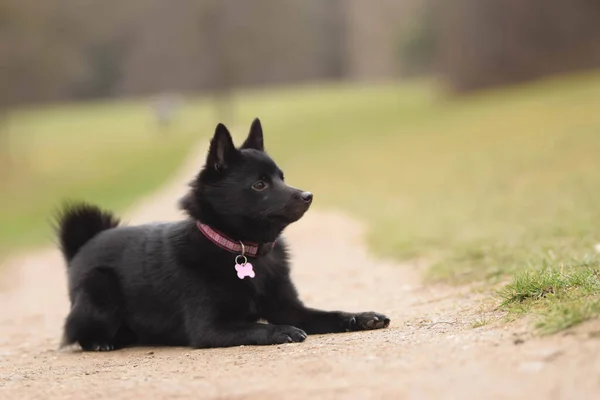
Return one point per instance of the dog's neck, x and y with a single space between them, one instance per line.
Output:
237 230
250 249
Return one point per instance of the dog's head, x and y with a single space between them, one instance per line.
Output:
241 191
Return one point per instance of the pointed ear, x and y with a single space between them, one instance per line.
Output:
255 137
221 149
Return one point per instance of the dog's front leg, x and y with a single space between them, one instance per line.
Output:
238 334
283 306
318 321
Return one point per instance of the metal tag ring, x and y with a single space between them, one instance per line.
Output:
243 257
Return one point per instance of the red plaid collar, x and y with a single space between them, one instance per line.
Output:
249 249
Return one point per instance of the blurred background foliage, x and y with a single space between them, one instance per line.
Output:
61 50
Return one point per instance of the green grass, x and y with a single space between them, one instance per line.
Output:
105 153
560 296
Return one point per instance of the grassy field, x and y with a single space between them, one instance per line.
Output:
108 154
499 188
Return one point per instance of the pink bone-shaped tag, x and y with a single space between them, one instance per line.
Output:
244 270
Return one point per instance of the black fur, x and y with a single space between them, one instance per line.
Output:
78 223
167 284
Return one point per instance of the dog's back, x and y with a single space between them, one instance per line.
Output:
131 274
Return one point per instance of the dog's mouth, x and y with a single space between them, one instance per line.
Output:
291 214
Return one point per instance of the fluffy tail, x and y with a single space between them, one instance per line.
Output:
77 223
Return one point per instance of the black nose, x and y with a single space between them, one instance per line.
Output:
306 196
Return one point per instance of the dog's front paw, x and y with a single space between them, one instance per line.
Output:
367 321
287 334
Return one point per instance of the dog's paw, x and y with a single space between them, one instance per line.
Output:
97 347
367 321
287 334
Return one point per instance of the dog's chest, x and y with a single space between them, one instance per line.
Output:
231 297
246 295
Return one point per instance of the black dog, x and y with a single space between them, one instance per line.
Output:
204 281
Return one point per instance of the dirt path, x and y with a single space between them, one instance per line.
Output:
431 350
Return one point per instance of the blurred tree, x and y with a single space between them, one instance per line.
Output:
105 36
60 49
103 70
372 35
493 42
418 41
40 49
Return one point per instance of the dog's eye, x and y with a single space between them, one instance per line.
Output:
258 186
